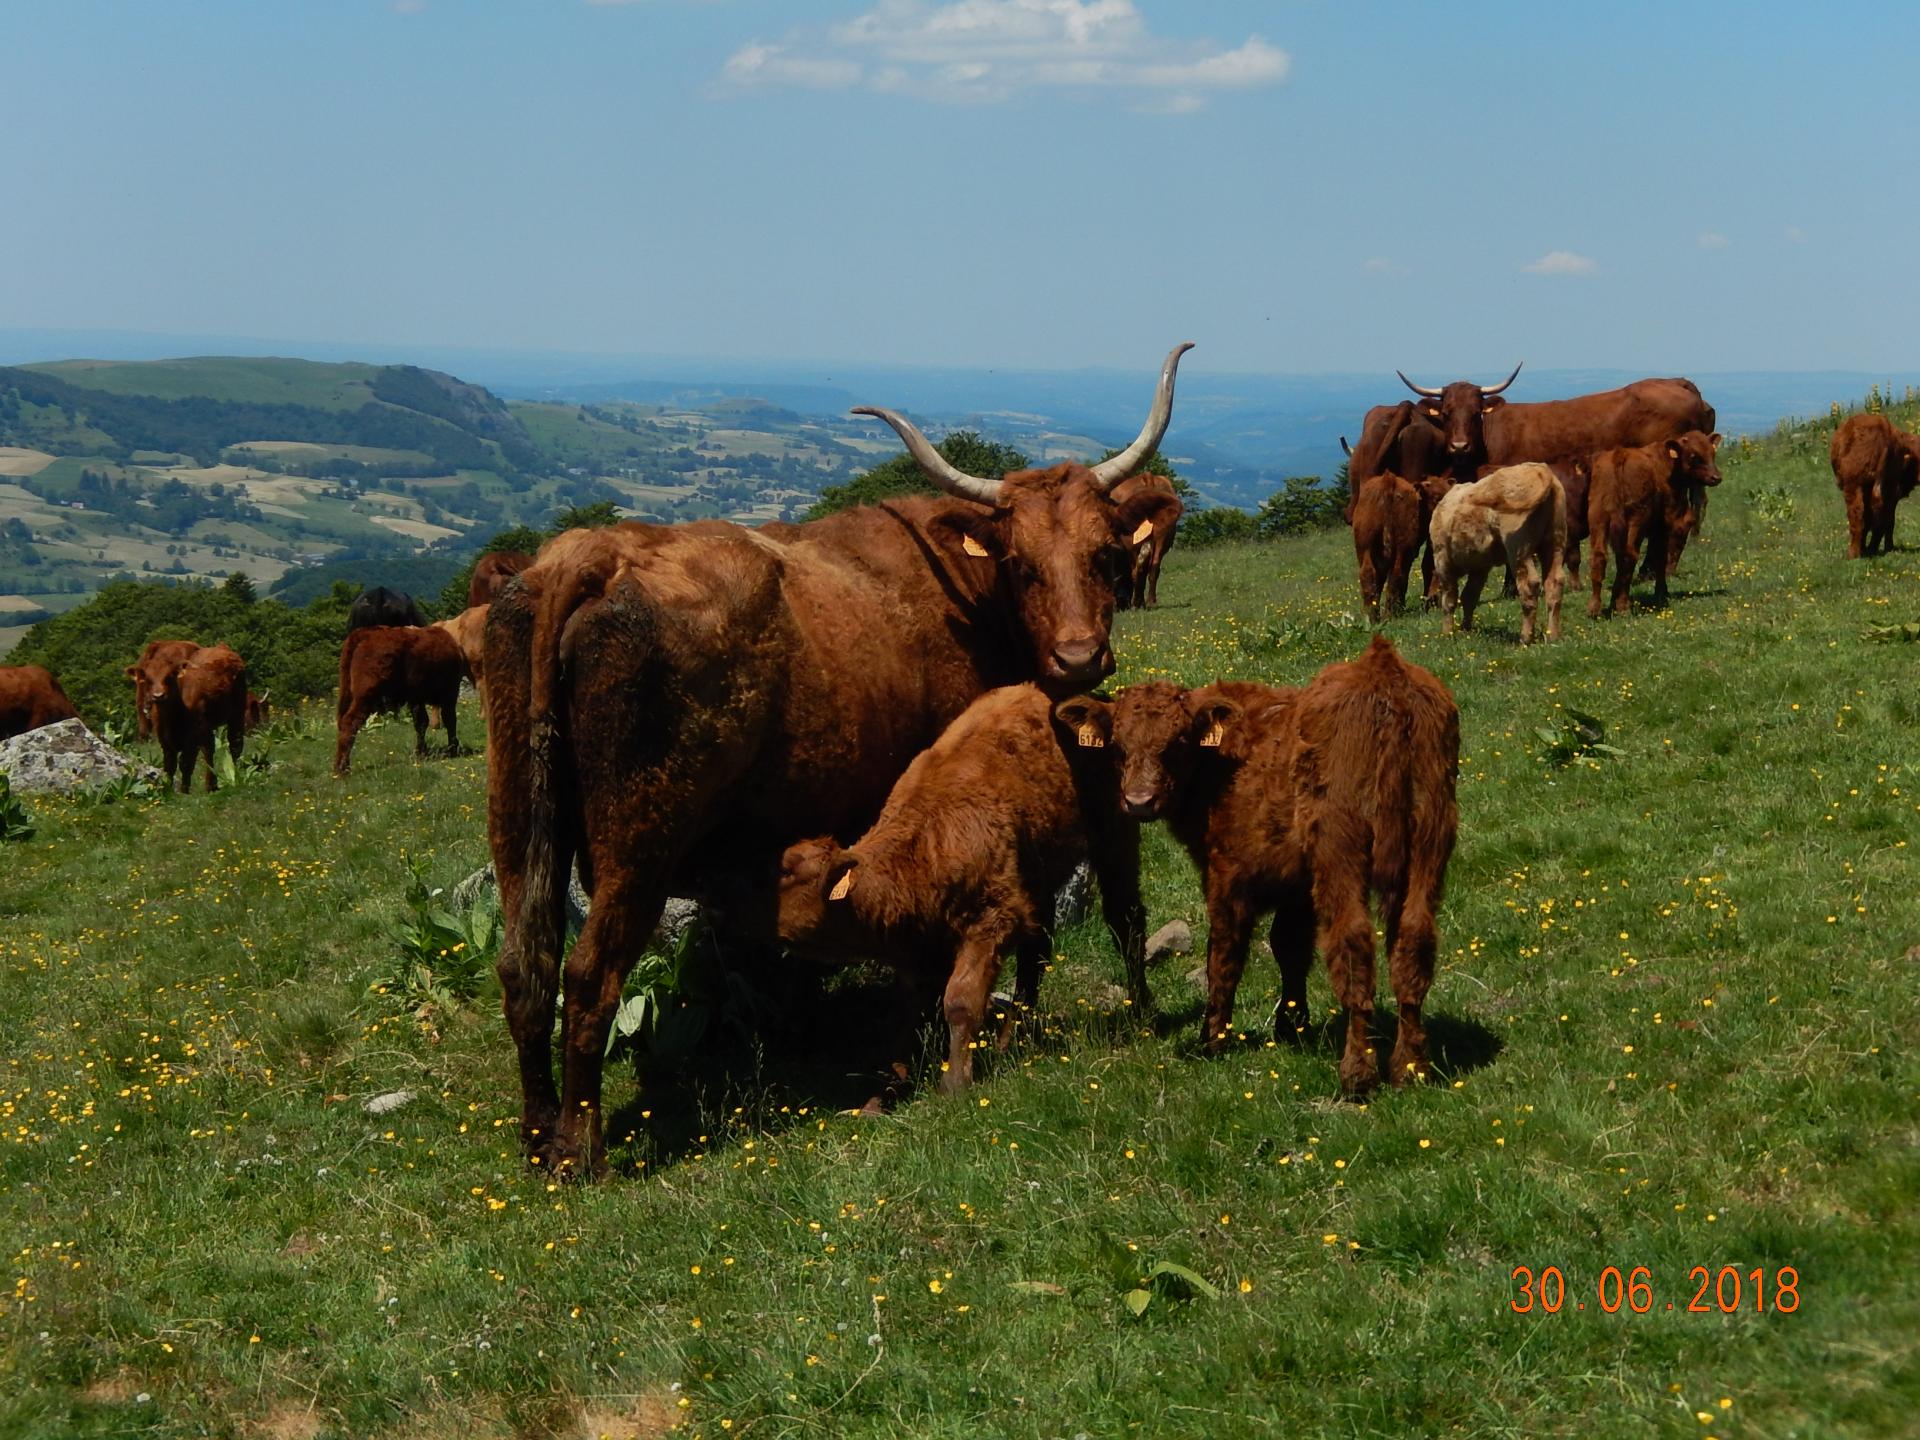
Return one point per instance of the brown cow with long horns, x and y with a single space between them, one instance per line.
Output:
671 707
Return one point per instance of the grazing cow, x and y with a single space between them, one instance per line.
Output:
1643 492
190 702
469 632
1876 467
673 706
1516 516
491 574
148 673
1298 802
1386 537
962 866
1143 587
381 606
29 698
258 711
389 666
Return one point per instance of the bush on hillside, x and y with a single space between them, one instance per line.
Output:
902 475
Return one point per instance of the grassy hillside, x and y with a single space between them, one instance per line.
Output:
1675 1025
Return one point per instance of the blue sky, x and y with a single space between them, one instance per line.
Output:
1299 187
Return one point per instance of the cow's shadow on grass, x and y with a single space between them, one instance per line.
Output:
1455 1046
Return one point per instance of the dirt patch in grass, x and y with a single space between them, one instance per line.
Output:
652 1413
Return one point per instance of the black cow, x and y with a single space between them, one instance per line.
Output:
381 606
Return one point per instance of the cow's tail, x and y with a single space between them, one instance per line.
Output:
580 572
347 647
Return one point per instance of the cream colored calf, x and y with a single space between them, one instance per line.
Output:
1513 517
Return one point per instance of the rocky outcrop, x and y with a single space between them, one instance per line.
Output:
65 758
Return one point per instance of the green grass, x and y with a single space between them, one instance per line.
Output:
1675 1021
236 378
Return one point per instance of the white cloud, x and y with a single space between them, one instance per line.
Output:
408 7
990 50
1561 262
1713 240
1796 236
1381 265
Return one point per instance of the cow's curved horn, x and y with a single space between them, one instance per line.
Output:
1112 471
1495 390
1417 389
938 468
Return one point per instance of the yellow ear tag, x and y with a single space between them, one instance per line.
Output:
1213 736
840 889
974 548
1090 736
1146 529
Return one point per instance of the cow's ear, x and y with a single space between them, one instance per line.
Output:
1673 451
1137 517
1714 439
1214 723
1491 403
132 672
975 533
837 881
1088 719
1430 409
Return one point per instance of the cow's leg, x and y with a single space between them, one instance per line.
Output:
1346 939
1447 588
969 987
1412 941
1369 583
349 729
1856 521
1402 562
449 721
1153 577
1596 571
1291 936
1659 537
1525 573
1029 960
1626 557
627 902
1470 598
419 712
528 994
1427 600
1229 928
1114 852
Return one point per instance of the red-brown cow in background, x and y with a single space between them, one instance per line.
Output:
1299 802
1152 539
962 866
29 698
1386 537
192 702
1643 493
160 659
491 573
1876 467
385 667
675 705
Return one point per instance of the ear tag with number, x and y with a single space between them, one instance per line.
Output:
1215 734
841 887
1090 737
974 548
1146 529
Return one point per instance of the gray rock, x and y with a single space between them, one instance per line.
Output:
1173 938
675 920
1075 899
66 757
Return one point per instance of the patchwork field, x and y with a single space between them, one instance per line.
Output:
1675 1025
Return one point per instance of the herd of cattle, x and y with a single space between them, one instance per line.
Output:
871 735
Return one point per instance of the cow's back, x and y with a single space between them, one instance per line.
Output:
1637 414
1860 449
30 697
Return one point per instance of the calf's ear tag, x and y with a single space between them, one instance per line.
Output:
1215 734
974 548
841 887
1090 736
1146 529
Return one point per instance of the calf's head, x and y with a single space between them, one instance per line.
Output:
1457 411
816 877
1158 734
1060 543
1692 456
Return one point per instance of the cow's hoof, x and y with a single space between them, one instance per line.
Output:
1408 1068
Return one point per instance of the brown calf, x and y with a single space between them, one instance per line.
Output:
1152 539
1643 493
1298 802
1386 537
149 672
491 573
1876 467
1515 516
388 666
190 703
964 861
29 698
